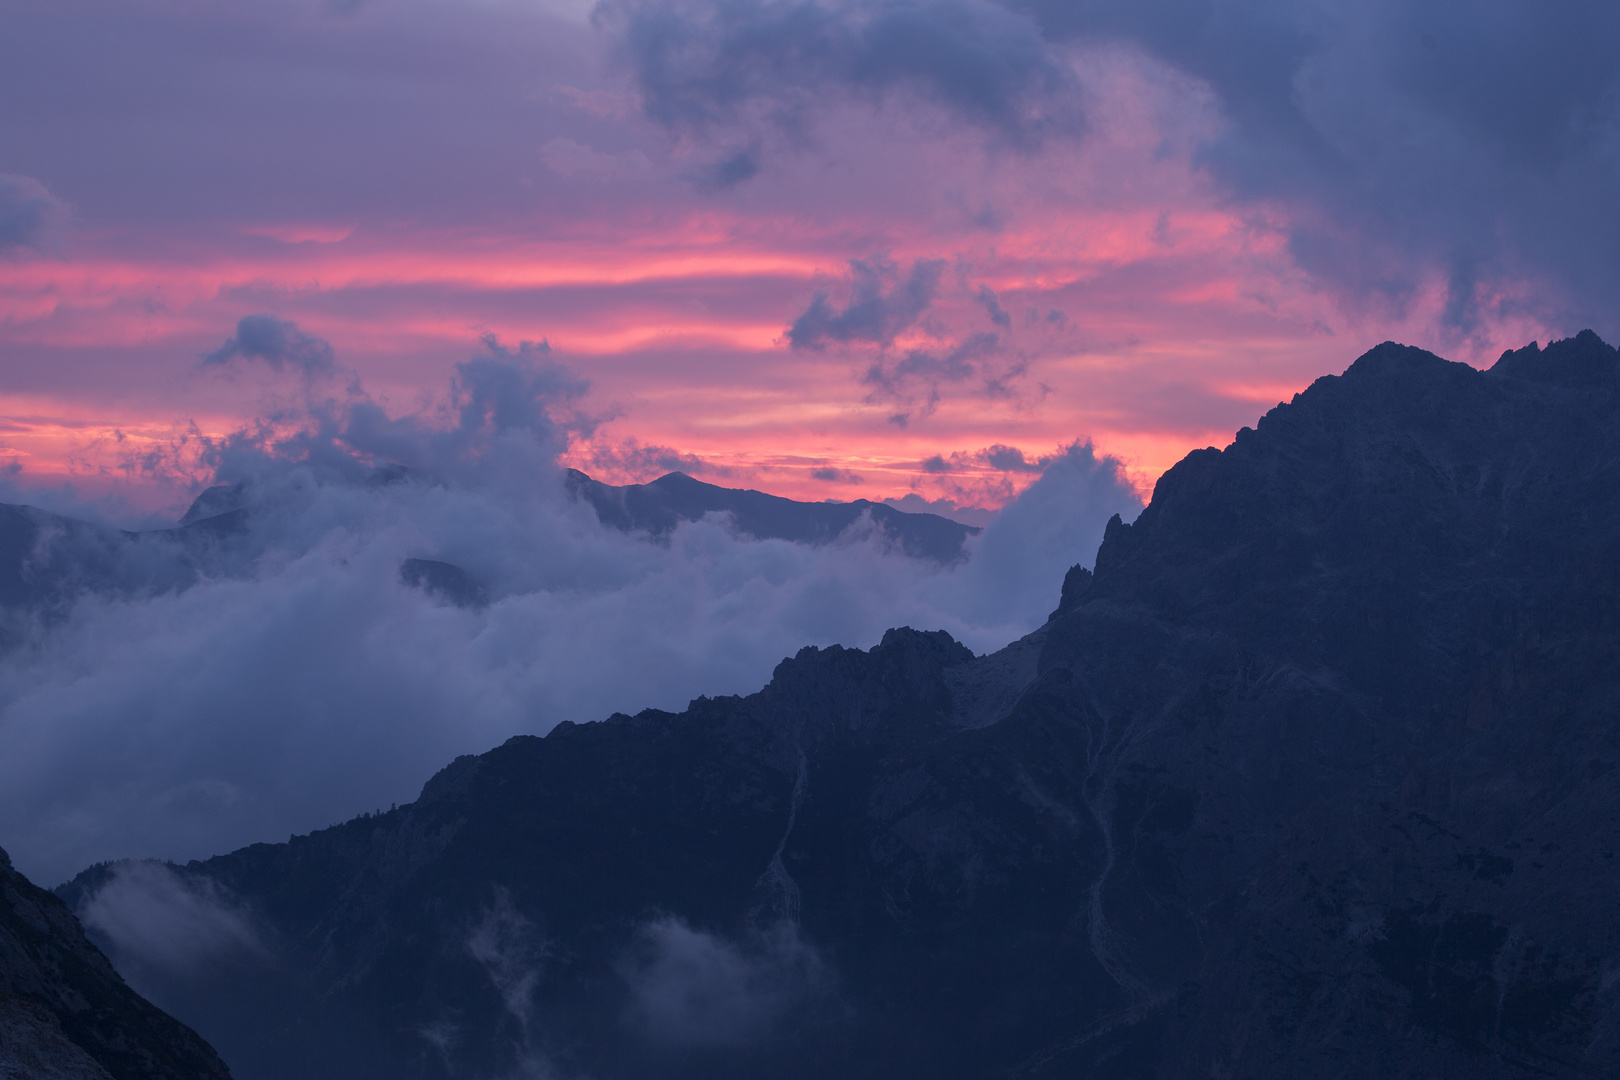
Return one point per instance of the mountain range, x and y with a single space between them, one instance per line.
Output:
1313 775
48 560
657 507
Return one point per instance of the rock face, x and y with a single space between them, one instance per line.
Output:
656 508
1315 776
65 1014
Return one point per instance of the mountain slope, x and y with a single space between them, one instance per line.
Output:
1314 776
64 1011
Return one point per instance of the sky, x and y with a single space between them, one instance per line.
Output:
827 249
1013 258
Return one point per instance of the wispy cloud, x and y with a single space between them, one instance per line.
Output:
693 988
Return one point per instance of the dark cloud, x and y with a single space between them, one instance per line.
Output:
704 66
1474 144
649 462
1481 141
927 365
920 377
728 170
278 343
1010 459
832 475
999 456
992 307
913 503
28 213
882 304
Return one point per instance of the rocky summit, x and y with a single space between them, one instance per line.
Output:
65 1014
1313 776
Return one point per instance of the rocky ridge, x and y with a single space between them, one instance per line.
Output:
65 1014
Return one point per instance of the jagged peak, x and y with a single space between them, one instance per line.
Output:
1398 411
1584 360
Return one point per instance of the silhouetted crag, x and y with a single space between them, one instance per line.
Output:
656 508
1314 776
64 1011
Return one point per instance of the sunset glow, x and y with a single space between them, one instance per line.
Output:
1100 284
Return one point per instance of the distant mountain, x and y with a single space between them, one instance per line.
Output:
48 560
1317 775
656 508
64 1012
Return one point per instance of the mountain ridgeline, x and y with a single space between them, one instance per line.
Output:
657 508
1314 776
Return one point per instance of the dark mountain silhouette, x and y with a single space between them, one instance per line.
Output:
1314 776
658 507
65 1014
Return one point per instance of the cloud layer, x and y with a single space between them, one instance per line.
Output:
301 680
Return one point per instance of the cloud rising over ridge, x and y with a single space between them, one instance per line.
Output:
299 680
